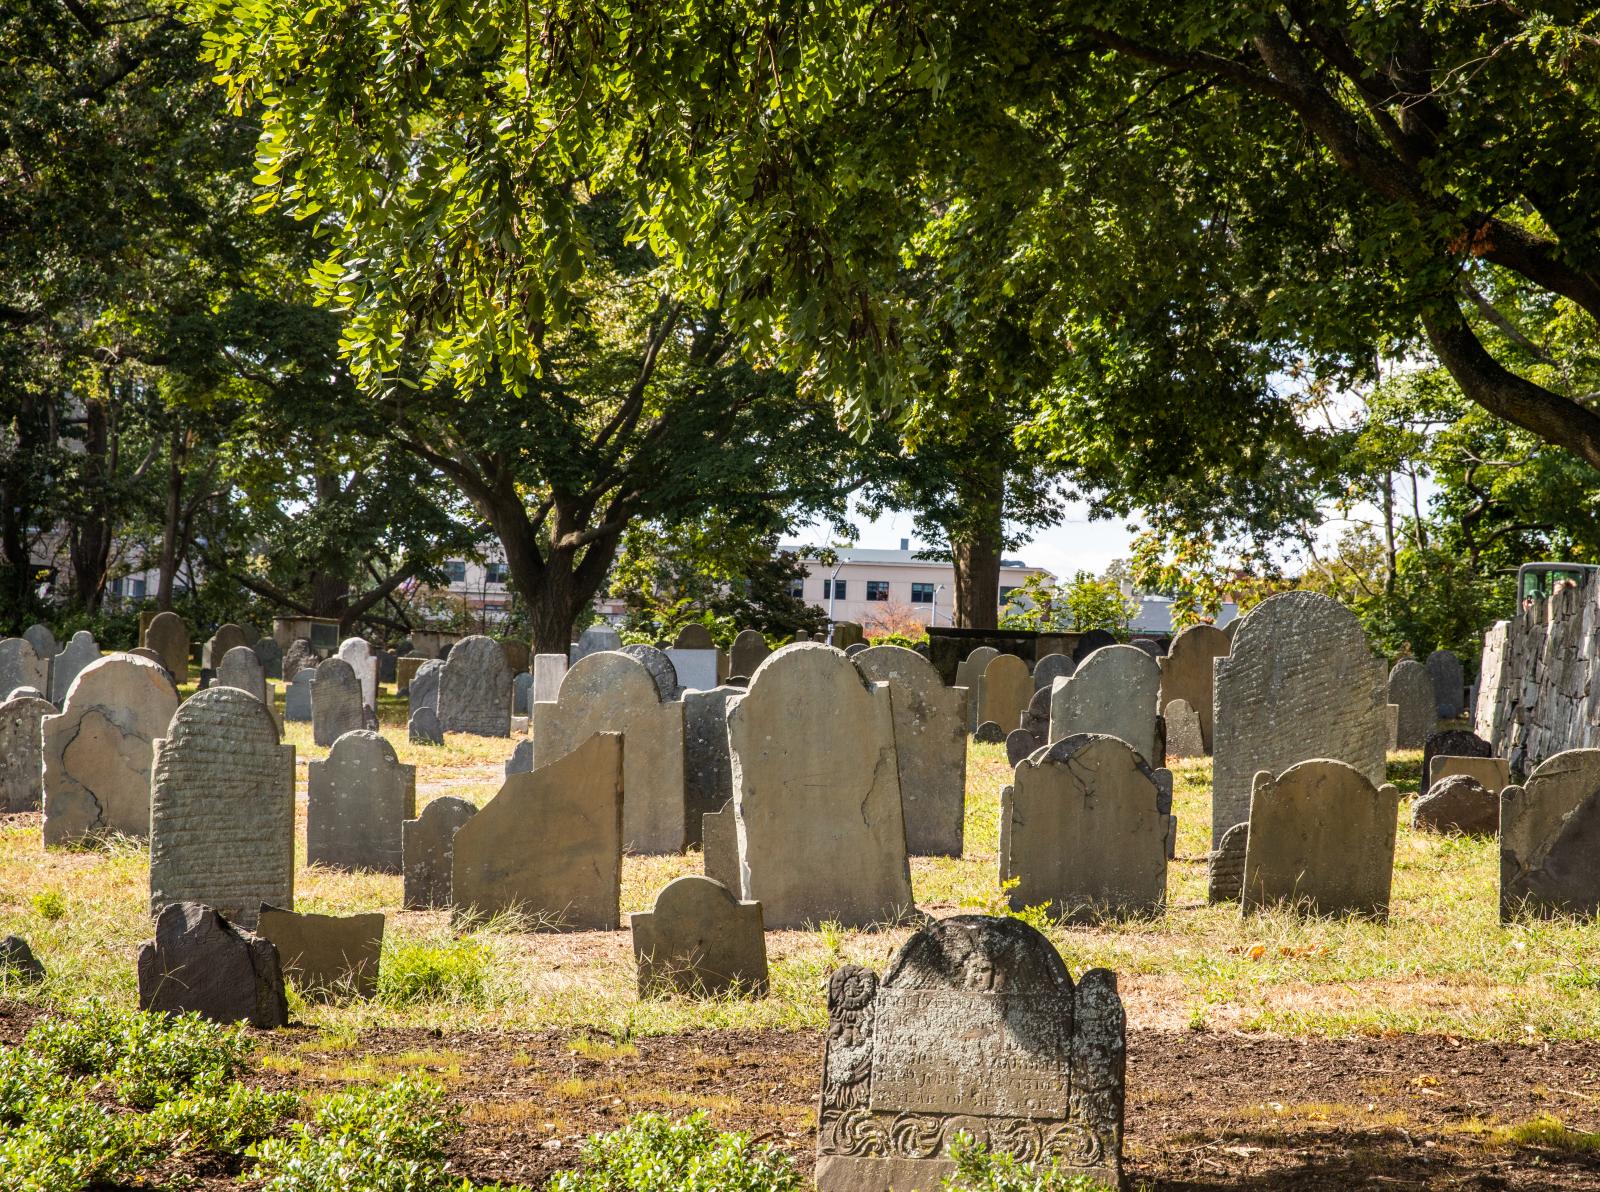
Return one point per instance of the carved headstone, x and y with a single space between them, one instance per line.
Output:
336 707
358 796
358 653
201 963
22 666
595 639
707 766
1036 720
1113 692
242 669
1550 837
1050 668
74 656
969 674
1411 690
1019 744
1004 691
424 687
327 956
749 651
989 733
96 754
270 655
42 640
521 759
1300 683
549 845
1449 684
475 689
701 941
817 793
222 808
521 693
1186 674
21 759
427 845
297 697
975 1029
1225 865
1149 645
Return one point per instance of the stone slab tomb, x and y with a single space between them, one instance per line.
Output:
328 957
427 847
358 796
977 1028
200 962
1321 839
222 808
1113 692
21 756
700 941
1550 839
475 689
336 707
816 792
1186 674
548 846
1411 690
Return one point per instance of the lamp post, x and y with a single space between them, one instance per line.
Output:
933 616
833 588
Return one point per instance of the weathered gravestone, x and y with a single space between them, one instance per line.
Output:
1036 720
1457 803
424 688
521 759
217 646
969 674
816 791
423 727
358 653
1113 692
297 697
270 655
989 733
327 956
1186 674
1019 744
18 963
846 634
1300 683
548 671
42 640
1550 839
701 941
475 689
549 845
694 637
1149 645
336 707
1321 838
719 841
1456 742
388 666
1449 684
21 758
1083 827
22 666
1491 773
405 670
1411 690
1004 690
1089 642
930 743
201 963
147 653
1184 735
358 796
1050 668
749 651
300 656
595 639
662 672
521 693
427 845
69 663
611 692
976 1029
707 766
222 808
1225 865
96 755
242 669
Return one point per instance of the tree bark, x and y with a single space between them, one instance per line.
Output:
89 539
167 568
975 549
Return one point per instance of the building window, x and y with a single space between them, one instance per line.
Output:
1005 594
797 588
456 570
495 573
921 593
834 588
877 589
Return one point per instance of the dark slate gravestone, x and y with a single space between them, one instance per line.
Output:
427 844
1091 641
1019 744
17 961
201 962
423 727
270 654
1451 742
989 733
976 1029
707 765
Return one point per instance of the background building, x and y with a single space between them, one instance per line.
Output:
871 586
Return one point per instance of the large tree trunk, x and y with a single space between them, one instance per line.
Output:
167 568
975 549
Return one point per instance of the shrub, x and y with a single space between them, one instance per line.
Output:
979 1169
653 1154
50 904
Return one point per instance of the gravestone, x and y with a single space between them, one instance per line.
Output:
697 669
357 798
1550 837
1187 671
1019 744
18 963
1225 865
475 689
548 671
846 634
976 1029
297 697
96 755
1150 647
147 652
21 756
1449 684
1050 668
1300 683
1411 690
749 651
930 743
1089 642
517 655
388 666
1184 736
521 693
405 670
242 669
989 733
521 759
424 686
720 845
42 640
1004 691
707 766
22 666
358 653
700 941
612 692
300 656
854 648
1112 692
1456 742
201 963
423 728
1232 627
817 793
336 707
222 808
1457 803
74 656
694 637
1084 828
1322 839
662 672
270 655
1036 720
595 639
969 674
217 646
427 846
1491 773
326 956
549 845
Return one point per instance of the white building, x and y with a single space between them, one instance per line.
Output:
871 586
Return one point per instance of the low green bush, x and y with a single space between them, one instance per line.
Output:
415 971
653 1154
979 1169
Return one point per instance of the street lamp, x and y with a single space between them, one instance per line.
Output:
933 618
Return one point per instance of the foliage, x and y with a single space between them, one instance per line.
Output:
1039 603
978 1169
653 1154
417 971
894 624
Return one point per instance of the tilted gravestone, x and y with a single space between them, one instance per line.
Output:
1449 684
358 653
595 639
357 798
18 963
22 666
969 674
611 692
427 846
1411 690
1186 674
1090 641
707 766
1456 742
1300 683
1019 744
327 956
1113 692
1184 735
660 667
1004 690
694 637
1491 773
222 808
977 1029
1084 828
701 941
297 697
548 846
475 689
242 669
217 646
270 655
300 656
749 651
96 755
548 671
930 742
74 656
1322 839
201 963
1550 837
1050 668
816 791
21 759
336 707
